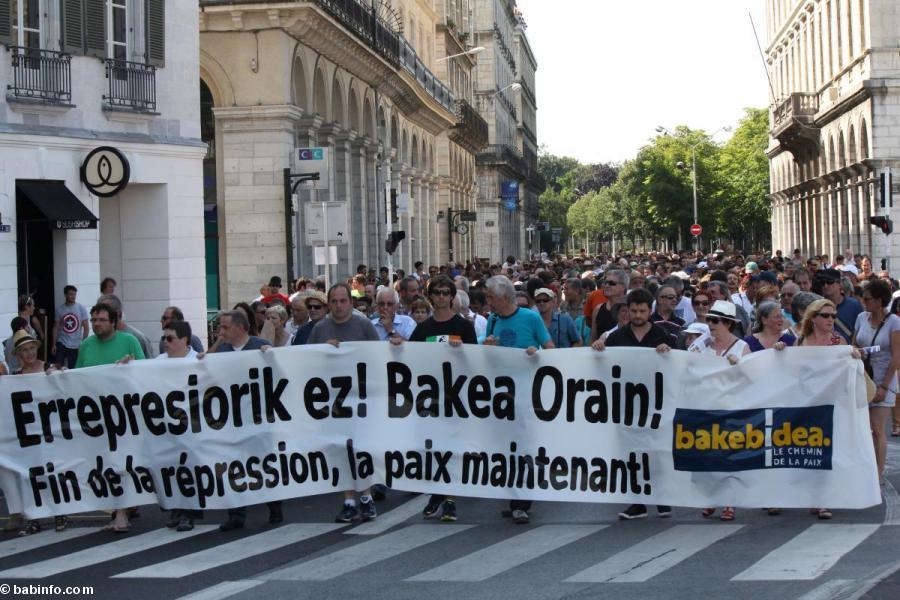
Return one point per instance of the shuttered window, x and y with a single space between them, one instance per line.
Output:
72 26
6 22
155 31
95 28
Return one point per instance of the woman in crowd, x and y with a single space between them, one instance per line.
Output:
721 319
701 303
273 329
26 311
769 328
817 329
876 327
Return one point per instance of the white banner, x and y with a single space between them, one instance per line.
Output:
786 429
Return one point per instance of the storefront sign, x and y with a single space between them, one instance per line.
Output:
105 172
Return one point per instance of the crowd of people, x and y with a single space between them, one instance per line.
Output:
725 303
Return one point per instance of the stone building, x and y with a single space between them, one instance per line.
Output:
504 211
835 122
101 156
354 77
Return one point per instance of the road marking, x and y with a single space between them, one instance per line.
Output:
830 590
226 589
104 552
39 540
509 553
891 503
655 555
366 553
809 554
224 554
391 518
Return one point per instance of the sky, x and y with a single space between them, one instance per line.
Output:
611 71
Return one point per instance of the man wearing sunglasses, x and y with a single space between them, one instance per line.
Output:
317 307
614 286
443 326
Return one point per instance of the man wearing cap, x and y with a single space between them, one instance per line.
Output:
317 308
828 283
560 325
275 292
640 333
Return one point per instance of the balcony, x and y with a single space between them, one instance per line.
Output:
793 123
411 63
132 86
501 155
363 21
40 76
470 131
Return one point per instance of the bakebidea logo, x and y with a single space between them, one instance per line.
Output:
743 440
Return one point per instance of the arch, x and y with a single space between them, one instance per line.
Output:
851 146
337 103
217 80
320 98
863 140
414 152
842 151
368 119
300 87
354 121
404 146
830 165
394 139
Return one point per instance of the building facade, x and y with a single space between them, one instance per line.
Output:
835 122
354 77
502 170
101 156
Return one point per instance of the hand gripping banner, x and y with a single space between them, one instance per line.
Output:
786 429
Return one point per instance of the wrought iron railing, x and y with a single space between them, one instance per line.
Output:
471 123
362 19
131 85
41 75
497 153
433 86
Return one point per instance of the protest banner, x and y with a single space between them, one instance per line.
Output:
786 429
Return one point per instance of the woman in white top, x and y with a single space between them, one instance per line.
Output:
878 328
722 318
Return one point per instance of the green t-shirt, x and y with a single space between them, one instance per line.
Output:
94 352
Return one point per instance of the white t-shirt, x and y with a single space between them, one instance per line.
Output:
736 350
191 354
743 301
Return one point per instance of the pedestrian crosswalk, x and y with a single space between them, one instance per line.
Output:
606 553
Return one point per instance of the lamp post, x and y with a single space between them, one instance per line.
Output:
469 52
682 166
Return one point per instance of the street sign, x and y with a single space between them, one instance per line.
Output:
469 216
314 160
696 229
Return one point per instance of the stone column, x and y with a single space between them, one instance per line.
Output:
359 202
434 256
257 145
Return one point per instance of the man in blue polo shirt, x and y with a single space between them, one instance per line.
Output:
829 280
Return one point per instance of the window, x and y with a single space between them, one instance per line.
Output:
26 19
118 32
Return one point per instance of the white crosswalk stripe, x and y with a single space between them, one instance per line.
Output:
102 553
654 555
231 552
808 555
367 553
39 540
226 589
509 553
392 517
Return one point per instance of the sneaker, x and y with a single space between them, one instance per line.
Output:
61 522
174 519
635 511
184 524
431 508
31 528
275 514
448 511
520 517
231 524
664 512
367 510
379 491
348 514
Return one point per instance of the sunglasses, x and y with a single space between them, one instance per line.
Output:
441 292
713 320
542 301
668 297
701 303
608 282
171 338
826 315
314 307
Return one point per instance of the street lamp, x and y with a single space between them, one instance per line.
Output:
682 166
513 86
469 52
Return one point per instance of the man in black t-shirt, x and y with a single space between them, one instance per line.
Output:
444 326
639 333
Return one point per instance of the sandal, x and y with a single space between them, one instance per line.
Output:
824 514
727 514
61 522
707 512
31 528
773 512
112 526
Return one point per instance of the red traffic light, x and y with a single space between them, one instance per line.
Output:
883 223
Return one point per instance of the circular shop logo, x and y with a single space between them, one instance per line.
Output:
105 171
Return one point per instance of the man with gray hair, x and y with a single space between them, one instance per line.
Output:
684 309
386 321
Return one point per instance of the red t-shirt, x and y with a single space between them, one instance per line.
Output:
594 298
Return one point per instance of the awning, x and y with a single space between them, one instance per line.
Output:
59 206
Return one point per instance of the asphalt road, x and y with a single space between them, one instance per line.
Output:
570 551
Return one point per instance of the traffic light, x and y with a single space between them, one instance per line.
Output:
394 239
883 223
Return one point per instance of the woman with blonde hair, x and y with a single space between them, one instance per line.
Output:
273 329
